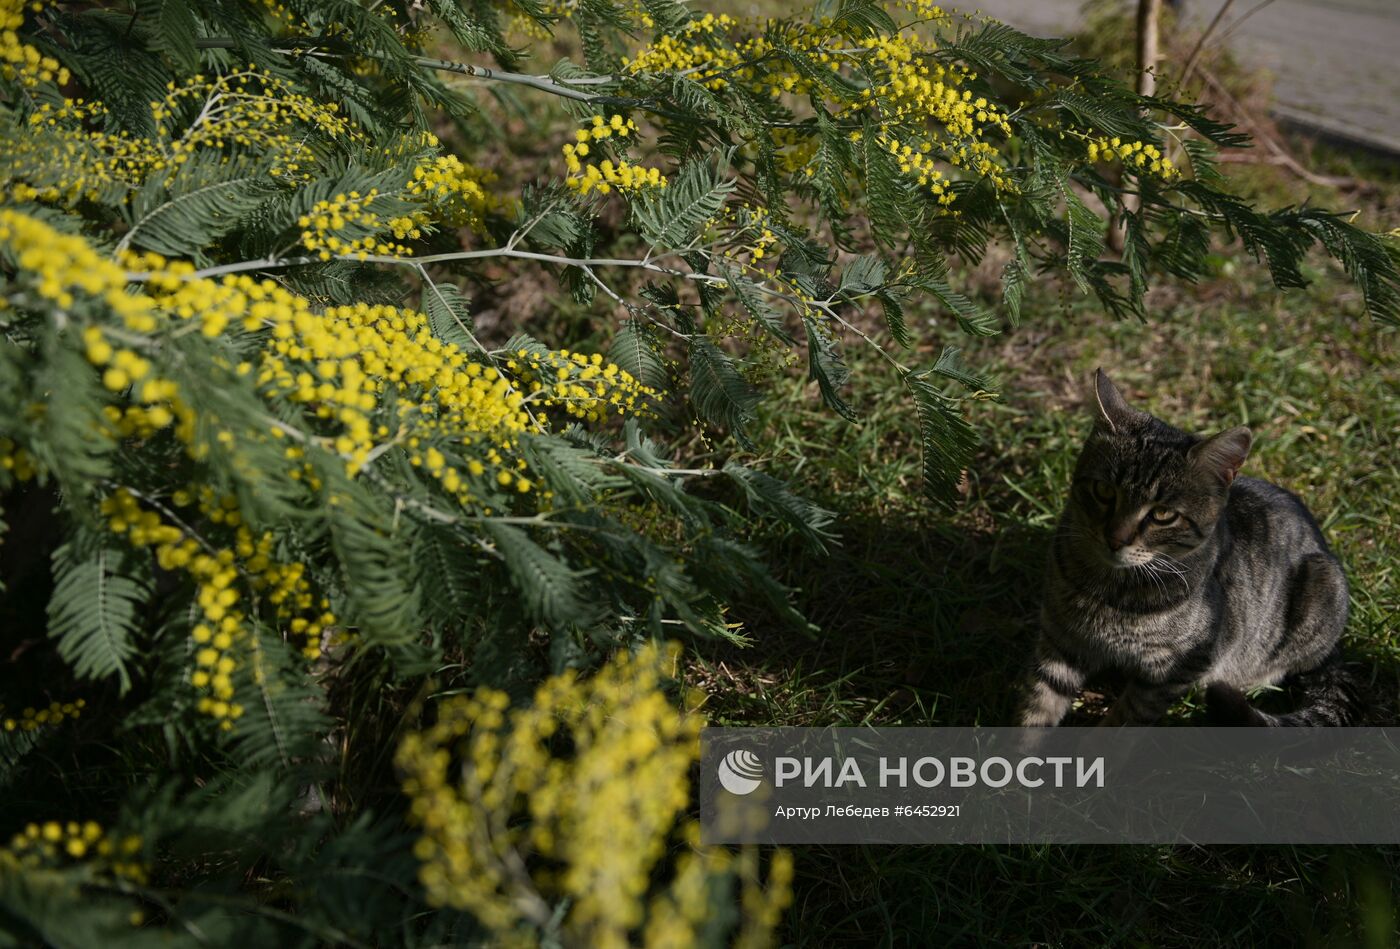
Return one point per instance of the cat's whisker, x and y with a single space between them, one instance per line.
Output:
1157 580
1168 558
1159 569
1185 581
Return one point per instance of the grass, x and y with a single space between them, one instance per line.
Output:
927 616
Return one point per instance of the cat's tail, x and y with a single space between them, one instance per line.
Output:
1329 694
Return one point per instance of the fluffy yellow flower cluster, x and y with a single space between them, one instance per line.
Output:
154 404
686 909
714 51
698 49
344 362
19 60
760 247
64 155
606 175
16 461
917 161
932 107
605 813
449 193
458 417
249 108
222 640
324 229
32 719
925 108
606 128
454 193
747 227
57 265
1135 156
794 150
923 10
914 84
584 386
52 844
287 17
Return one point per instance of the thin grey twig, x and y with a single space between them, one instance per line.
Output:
1200 44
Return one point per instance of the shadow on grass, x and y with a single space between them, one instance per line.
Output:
921 623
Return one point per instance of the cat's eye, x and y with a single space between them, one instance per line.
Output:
1102 492
1162 515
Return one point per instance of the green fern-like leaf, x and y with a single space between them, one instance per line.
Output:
548 586
998 49
284 718
372 549
770 496
580 475
950 365
70 438
96 610
449 314
1086 236
864 18
450 580
946 439
975 320
636 350
1369 260
675 214
195 207
826 366
755 303
173 30
719 392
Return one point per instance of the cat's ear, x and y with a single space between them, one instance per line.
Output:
1222 455
1113 412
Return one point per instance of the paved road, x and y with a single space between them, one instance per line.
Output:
1336 63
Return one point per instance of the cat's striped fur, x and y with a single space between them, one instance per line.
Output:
1169 569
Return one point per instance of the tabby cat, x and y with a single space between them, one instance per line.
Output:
1172 571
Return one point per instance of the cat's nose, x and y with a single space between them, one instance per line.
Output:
1120 538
